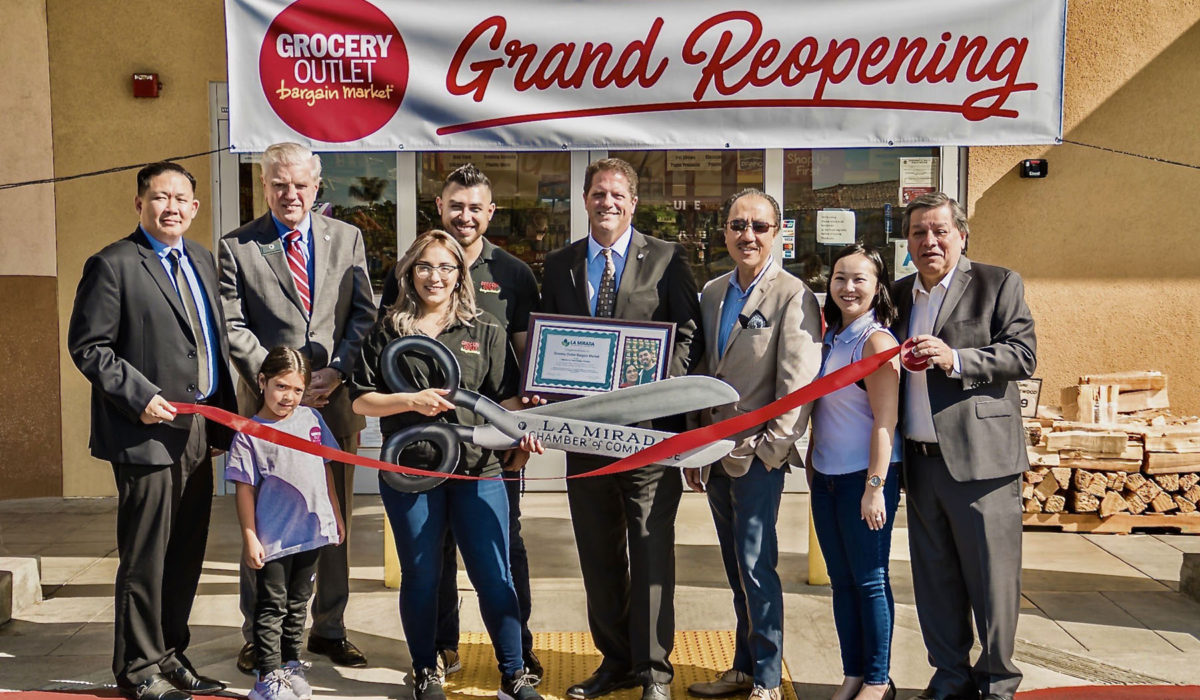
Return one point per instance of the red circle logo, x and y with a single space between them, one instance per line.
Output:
333 70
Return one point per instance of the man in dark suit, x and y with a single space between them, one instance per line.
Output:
625 523
147 330
296 278
964 450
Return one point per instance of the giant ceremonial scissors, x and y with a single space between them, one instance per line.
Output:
591 425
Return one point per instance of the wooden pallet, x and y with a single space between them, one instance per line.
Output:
1122 523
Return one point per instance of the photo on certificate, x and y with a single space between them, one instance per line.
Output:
580 355
640 362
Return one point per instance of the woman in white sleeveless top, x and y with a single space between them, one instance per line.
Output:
853 471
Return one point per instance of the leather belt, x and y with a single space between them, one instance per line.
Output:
925 449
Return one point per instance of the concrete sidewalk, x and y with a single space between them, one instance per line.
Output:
1096 608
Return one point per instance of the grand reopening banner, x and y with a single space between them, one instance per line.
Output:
388 75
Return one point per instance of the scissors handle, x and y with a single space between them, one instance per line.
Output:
424 345
446 438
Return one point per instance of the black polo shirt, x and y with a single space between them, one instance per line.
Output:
487 367
504 287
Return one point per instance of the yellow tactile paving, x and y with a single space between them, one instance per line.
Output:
569 657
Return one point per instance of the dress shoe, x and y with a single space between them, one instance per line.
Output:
247 659
997 696
601 683
533 667
339 651
156 687
931 694
656 691
728 683
186 679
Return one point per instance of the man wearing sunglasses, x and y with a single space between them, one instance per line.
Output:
762 333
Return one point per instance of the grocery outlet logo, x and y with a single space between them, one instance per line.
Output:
333 70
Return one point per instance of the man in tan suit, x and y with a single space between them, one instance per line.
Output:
762 330
293 277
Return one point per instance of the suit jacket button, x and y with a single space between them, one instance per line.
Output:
312 334
191 354
191 388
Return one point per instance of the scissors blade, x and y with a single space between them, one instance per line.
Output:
643 402
604 439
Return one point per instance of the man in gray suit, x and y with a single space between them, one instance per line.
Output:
293 277
964 450
625 523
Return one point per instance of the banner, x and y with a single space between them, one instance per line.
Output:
385 75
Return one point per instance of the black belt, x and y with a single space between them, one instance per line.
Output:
925 449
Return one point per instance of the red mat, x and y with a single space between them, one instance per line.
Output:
1115 692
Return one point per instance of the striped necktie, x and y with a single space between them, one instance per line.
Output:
606 296
299 267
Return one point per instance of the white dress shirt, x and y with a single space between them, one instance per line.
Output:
918 416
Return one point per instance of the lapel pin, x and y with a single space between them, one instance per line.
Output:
641 255
327 236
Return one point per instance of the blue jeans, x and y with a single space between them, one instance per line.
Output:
477 513
745 510
857 560
447 624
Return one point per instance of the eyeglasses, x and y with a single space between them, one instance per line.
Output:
427 270
740 225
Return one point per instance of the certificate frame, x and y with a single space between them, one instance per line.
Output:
570 356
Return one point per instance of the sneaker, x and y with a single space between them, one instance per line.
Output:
760 693
448 661
273 686
533 668
295 671
727 683
518 687
427 684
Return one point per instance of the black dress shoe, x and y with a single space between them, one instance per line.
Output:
186 679
656 691
931 694
156 687
601 683
997 696
247 660
339 651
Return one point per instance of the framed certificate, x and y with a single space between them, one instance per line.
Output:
569 356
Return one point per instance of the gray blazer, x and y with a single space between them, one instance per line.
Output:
978 417
263 308
763 364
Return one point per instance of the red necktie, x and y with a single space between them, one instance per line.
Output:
295 256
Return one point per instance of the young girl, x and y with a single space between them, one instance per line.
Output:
288 510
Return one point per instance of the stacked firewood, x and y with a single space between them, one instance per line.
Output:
1110 457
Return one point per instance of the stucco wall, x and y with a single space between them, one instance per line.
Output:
94 48
1108 243
30 453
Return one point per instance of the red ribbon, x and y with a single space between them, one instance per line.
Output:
674 445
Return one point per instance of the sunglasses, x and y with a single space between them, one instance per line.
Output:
740 225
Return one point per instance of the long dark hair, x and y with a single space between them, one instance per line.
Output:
885 310
281 360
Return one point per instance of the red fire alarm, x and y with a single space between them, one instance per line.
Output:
146 85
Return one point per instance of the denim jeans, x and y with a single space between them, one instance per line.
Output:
745 510
857 560
447 619
477 513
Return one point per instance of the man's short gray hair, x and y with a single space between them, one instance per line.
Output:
289 153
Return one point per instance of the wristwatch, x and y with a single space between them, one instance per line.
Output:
876 481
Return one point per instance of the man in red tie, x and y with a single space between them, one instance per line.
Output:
294 277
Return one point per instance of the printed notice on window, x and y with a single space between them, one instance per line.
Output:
919 172
835 227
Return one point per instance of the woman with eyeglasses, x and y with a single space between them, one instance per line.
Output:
437 300
852 471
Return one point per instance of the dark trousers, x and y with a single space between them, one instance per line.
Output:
162 529
745 510
448 600
284 587
965 541
856 558
625 532
332 590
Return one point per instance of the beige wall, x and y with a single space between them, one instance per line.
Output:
94 48
1108 243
